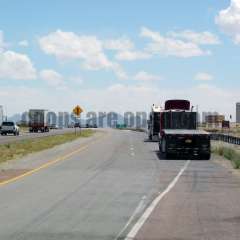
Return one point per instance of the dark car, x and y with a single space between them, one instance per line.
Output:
77 125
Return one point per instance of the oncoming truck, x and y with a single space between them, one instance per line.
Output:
179 134
153 122
38 120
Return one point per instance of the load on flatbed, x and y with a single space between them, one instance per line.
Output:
178 133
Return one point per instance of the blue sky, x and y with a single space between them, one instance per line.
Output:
119 55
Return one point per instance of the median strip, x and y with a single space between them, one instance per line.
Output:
22 148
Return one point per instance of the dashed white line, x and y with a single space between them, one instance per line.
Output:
132 234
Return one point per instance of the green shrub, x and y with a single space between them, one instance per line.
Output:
230 154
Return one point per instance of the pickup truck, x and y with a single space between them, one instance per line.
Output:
9 127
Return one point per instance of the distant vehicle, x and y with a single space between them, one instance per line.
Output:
53 126
88 125
179 134
1 115
9 127
154 123
38 120
77 125
71 125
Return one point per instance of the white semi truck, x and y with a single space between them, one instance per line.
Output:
154 122
1 115
38 120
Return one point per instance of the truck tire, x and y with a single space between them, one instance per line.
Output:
150 137
163 149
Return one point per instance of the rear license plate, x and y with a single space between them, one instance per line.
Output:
188 141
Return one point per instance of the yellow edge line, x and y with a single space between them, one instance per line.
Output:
48 164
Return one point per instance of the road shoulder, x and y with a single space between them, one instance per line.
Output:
205 204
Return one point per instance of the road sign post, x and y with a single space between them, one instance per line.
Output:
77 111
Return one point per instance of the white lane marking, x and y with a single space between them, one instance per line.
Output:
132 234
131 148
136 211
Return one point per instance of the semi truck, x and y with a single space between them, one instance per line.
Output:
154 122
179 134
38 120
1 115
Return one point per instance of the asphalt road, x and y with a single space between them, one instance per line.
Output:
27 135
103 191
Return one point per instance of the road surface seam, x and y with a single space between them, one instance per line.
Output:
50 163
138 209
132 234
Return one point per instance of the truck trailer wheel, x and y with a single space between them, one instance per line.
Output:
163 149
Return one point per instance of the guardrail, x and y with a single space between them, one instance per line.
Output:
225 138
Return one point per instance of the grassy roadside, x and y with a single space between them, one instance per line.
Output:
22 148
229 153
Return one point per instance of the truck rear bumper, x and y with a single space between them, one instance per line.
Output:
193 151
188 144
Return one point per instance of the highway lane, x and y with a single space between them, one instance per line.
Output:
27 135
102 192
90 196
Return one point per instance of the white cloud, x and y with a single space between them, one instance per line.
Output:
229 20
3 45
119 71
203 38
23 43
122 43
125 49
203 76
52 78
171 46
144 76
128 55
70 46
16 66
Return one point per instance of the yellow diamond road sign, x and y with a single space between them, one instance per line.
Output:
77 110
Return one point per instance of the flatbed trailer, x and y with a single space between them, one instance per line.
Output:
178 133
188 143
